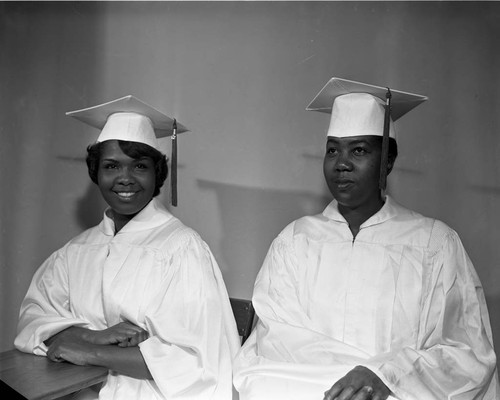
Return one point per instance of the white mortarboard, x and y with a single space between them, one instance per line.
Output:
359 109
130 119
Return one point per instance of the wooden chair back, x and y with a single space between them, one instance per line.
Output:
244 314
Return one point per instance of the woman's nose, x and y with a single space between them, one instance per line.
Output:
125 177
343 163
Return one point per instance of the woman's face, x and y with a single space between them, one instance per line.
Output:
352 168
127 184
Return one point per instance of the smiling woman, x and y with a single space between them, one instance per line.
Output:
140 292
128 175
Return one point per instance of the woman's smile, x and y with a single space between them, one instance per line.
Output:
127 196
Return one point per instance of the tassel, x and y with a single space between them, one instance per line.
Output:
173 164
385 142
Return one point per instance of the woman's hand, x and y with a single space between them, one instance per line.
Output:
114 348
359 384
125 359
124 334
75 352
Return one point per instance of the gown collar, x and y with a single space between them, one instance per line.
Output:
388 211
151 216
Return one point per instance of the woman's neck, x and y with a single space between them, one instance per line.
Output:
120 220
356 216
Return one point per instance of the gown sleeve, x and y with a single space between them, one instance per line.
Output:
193 336
45 309
454 357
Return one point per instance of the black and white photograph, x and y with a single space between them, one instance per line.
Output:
250 200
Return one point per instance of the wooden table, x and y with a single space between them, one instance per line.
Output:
37 378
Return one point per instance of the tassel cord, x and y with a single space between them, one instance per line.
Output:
173 172
385 142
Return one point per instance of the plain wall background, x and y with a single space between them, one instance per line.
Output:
240 75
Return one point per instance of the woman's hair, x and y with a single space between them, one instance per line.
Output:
393 146
134 150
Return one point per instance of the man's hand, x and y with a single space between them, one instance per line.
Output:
359 384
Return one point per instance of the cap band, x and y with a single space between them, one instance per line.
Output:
358 114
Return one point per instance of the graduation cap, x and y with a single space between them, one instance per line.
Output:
359 109
130 119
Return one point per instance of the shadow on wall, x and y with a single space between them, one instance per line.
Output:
90 207
250 219
487 190
493 302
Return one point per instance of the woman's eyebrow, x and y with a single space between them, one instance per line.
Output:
360 141
350 143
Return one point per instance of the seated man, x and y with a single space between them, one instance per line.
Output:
368 300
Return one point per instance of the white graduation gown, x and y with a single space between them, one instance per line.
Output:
155 273
402 299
